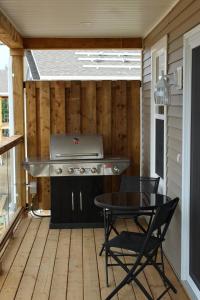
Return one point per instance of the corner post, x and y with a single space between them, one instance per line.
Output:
18 115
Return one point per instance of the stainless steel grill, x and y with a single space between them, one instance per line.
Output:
76 155
80 163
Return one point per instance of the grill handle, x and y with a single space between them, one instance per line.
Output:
81 201
76 154
73 201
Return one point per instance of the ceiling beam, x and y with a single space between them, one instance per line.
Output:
8 34
82 43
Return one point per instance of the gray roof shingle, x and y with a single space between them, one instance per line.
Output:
65 63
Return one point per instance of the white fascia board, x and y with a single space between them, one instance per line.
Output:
160 19
90 78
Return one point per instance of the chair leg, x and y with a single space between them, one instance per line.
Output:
161 254
163 276
104 247
111 227
163 293
106 266
126 280
143 289
105 230
162 258
107 236
118 287
101 251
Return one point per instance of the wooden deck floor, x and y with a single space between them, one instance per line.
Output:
43 264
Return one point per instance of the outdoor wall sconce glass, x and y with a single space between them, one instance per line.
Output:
162 92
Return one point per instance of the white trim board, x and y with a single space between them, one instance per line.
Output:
159 48
191 40
141 137
92 77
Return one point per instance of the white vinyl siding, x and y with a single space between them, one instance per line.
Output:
184 16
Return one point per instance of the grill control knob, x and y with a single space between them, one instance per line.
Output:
82 170
94 170
70 170
116 170
59 171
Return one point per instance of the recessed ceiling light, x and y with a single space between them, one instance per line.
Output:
86 23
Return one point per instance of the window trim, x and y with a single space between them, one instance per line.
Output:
157 49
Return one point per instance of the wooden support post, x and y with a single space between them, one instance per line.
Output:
18 112
8 34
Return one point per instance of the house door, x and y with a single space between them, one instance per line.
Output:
158 116
191 163
195 170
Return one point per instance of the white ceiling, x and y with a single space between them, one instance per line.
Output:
85 18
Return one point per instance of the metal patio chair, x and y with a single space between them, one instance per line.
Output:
145 245
132 184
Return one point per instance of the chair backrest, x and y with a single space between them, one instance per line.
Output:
162 218
160 223
139 184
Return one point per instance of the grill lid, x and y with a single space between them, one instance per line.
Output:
76 147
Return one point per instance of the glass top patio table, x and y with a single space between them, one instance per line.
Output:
130 201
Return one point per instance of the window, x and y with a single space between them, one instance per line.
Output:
158 116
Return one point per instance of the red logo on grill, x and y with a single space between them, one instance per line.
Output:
76 141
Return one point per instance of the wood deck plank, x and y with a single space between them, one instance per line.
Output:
90 271
12 281
127 292
43 264
75 276
138 293
172 277
43 282
105 291
29 277
60 273
12 248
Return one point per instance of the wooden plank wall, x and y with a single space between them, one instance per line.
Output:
182 18
109 108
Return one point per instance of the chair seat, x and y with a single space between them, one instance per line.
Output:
133 241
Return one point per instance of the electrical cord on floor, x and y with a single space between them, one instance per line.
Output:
34 211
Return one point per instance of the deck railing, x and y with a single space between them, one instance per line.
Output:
11 185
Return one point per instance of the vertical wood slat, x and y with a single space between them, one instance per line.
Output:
104 107
31 119
73 109
119 118
44 139
133 121
31 114
119 124
44 119
58 108
104 124
88 107
109 108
